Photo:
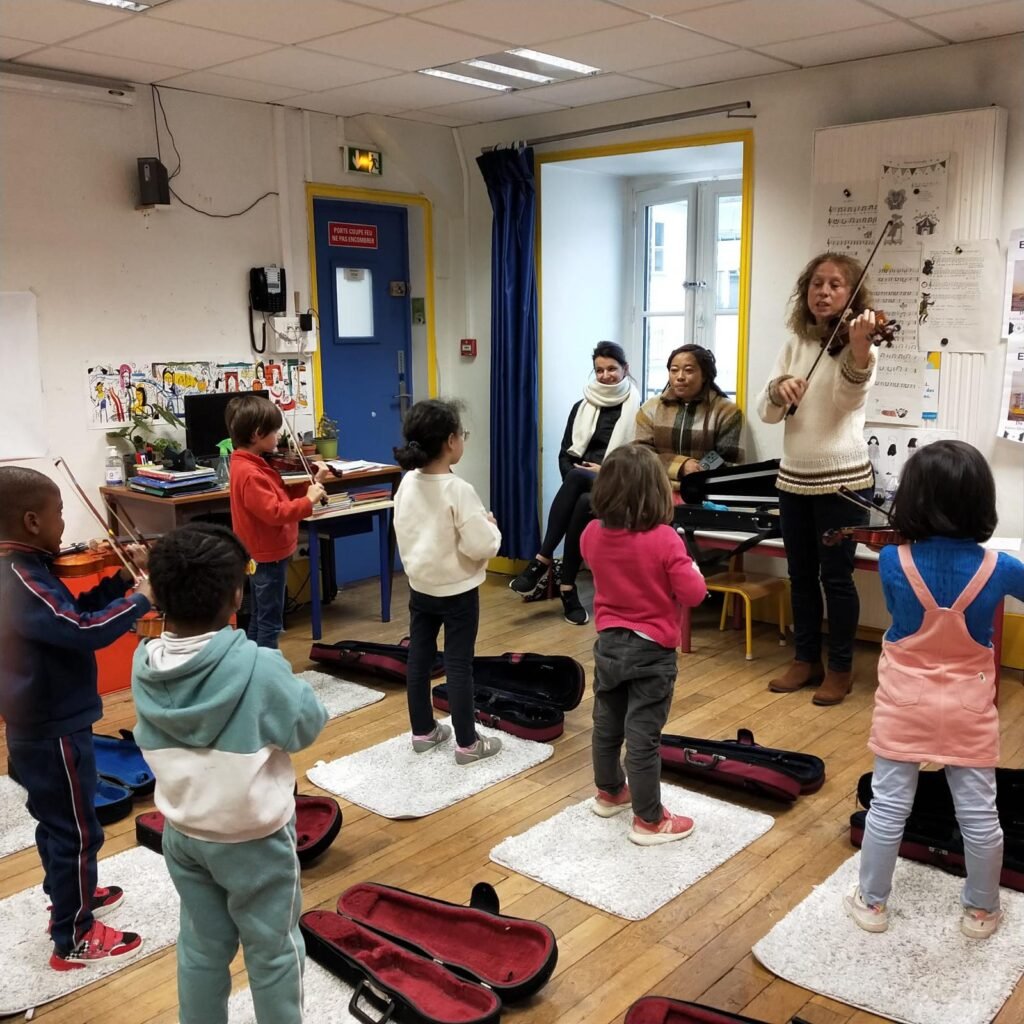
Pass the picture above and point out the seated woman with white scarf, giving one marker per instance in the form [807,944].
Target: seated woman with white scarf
[601,421]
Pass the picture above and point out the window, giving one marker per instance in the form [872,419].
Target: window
[688,283]
[354,295]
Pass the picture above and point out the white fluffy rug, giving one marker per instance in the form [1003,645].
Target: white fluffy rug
[393,781]
[340,696]
[17,829]
[326,1000]
[591,859]
[921,971]
[150,908]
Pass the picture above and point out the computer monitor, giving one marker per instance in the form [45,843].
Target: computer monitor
[205,427]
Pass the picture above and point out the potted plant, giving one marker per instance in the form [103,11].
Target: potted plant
[327,437]
[133,437]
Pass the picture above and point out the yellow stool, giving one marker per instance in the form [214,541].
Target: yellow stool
[750,586]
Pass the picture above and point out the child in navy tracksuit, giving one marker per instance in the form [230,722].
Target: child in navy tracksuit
[49,700]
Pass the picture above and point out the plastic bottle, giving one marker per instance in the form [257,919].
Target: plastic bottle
[225,448]
[114,468]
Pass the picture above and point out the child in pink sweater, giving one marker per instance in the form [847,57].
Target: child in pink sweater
[642,577]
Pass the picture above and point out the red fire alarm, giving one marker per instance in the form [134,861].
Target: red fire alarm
[467,347]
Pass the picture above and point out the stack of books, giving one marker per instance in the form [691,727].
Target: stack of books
[169,483]
[363,495]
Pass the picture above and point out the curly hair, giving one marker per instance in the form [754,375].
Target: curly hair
[427,427]
[801,320]
[196,571]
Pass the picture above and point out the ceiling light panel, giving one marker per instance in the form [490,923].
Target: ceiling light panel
[529,76]
[555,62]
[123,5]
[452,76]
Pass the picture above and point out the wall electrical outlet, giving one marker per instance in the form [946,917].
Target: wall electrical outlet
[289,337]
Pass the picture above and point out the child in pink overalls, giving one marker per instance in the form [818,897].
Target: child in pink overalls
[937,677]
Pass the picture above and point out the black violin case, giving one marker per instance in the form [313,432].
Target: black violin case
[525,695]
[424,961]
[932,836]
[659,1010]
[741,763]
[385,661]
[317,824]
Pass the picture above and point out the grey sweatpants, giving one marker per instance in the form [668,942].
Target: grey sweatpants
[633,683]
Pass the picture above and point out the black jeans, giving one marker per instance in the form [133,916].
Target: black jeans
[813,566]
[567,517]
[633,683]
[460,616]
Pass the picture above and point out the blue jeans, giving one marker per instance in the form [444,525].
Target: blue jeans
[266,601]
[893,785]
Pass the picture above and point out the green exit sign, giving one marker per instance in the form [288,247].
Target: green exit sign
[365,161]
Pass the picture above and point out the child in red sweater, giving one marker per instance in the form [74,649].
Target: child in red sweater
[642,576]
[263,514]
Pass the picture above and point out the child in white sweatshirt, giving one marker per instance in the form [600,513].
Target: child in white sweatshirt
[445,537]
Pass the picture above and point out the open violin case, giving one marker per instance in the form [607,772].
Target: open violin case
[384,661]
[932,836]
[317,824]
[659,1010]
[525,695]
[741,763]
[424,961]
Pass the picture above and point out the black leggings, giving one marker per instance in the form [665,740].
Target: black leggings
[567,517]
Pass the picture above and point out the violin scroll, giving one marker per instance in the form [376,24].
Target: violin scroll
[884,333]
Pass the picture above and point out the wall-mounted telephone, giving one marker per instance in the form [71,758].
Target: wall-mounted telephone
[267,289]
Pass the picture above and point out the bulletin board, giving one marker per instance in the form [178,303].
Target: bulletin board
[950,168]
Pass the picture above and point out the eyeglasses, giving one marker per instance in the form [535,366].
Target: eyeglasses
[464,434]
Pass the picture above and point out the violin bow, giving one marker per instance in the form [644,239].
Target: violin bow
[127,523]
[136,573]
[862,503]
[791,411]
[302,458]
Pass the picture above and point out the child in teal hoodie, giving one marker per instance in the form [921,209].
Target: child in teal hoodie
[217,719]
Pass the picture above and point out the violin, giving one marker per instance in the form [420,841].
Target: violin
[838,332]
[150,625]
[872,536]
[289,462]
[85,560]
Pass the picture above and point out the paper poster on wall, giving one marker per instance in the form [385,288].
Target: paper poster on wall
[959,299]
[118,390]
[24,432]
[890,447]
[930,399]
[176,380]
[846,218]
[898,392]
[1011,416]
[1013,293]
[912,198]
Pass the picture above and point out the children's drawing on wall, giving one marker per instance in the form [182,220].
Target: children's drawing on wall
[116,392]
[176,380]
[888,451]
[912,194]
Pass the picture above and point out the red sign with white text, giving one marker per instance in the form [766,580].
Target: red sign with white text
[352,236]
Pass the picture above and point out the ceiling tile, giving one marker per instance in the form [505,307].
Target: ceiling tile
[402,43]
[166,43]
[402,6]
[853,44]
[596,89]
[754,23]
[721,67]
[433,117]
[11,48]
[664,8]
[410,92]
[124,69]
[977,22]
[52,21]
[640,45]
[529,22]
[234,88]
[270,19]
[498,108]
[917,8]
[340,103]
[303,69]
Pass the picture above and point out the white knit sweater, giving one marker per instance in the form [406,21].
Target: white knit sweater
[824,445]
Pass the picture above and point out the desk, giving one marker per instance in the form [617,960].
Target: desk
[151,514]
[864,559]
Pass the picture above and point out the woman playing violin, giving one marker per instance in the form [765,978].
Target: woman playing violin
[823,450]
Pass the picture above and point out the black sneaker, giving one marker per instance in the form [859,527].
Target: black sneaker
[574,611]
[527,580]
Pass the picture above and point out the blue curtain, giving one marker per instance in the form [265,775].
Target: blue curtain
[515,478]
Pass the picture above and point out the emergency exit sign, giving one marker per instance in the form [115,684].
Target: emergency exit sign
[352,236]
[365,161]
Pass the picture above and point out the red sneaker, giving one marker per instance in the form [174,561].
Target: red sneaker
[668,830]
[99,943]
[607,805]
[104,900]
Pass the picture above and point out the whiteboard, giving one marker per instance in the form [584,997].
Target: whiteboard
[24,431]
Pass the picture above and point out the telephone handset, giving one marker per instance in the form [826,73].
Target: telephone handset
[267,289]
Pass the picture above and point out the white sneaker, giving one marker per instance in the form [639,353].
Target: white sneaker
[870,918]
[979,924]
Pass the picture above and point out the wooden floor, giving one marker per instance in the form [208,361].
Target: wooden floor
[697,947]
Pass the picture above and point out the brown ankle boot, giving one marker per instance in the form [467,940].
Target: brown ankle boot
[797,675]
[834,689]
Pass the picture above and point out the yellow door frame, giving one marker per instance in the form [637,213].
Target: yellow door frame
[744,136]
[317,190]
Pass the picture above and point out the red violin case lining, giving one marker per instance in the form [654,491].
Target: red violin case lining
[524,695]
[317,824]
[384,661]
[659,1010]
[743,764]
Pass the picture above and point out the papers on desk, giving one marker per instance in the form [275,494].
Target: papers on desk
[353,466]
